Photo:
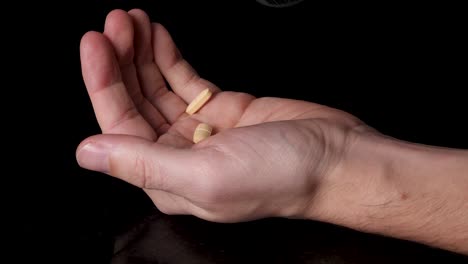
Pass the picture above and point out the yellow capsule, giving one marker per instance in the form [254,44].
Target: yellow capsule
[198,102]
[201,132]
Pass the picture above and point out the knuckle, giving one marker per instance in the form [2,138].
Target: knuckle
[144,171]
[150,174]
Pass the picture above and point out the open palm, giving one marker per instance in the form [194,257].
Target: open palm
[126,69]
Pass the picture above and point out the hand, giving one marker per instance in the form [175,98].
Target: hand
[267,157]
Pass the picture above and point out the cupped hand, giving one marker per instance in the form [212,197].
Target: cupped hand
[266,157]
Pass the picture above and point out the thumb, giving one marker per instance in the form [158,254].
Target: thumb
[138,161]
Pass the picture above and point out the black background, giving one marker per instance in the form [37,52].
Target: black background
[400,68]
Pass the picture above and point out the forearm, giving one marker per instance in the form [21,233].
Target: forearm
[400,189]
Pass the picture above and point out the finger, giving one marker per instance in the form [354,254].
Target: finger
[183,79]
[114,109]
[151,80]
[120,32]
[141,162]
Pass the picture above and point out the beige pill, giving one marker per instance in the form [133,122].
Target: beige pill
[201,132]
[198,102]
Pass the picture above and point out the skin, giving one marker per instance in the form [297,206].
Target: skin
[267,157]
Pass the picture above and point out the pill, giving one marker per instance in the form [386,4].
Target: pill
[198,102]
[201,132]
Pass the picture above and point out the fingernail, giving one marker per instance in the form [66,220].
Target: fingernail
[94,156]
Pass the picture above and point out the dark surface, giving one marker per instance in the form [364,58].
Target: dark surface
[398,68]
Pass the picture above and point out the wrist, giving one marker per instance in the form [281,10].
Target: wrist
[395,188]
[356,183]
